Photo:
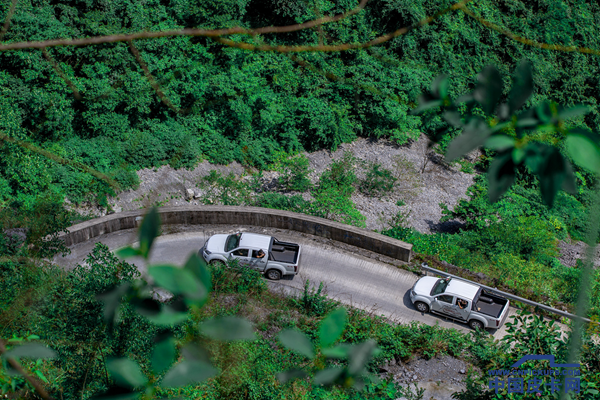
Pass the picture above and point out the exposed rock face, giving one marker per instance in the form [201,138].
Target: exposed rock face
[189,194]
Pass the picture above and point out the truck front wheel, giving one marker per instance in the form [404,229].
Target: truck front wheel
[419,305]
[475,324]
[273,275]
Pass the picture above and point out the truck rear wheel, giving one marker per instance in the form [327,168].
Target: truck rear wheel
[419,305]
[273,275]
[475,324]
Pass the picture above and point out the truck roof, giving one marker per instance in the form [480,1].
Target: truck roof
[255,240]
[462,289]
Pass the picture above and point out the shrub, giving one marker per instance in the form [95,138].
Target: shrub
[227,190]
[378,182]
[294,172]
[236,279]
[312,302]
[332,195]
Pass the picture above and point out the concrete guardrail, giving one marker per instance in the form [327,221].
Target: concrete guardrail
[255,216]
[508,295]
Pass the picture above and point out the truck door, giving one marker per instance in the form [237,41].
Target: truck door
[443,304]
[242,255]
[462,308]
[258,263]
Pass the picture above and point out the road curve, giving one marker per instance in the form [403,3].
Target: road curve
[349,277]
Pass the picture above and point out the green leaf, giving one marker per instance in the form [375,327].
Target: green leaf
[439,86]
[197,266]
[30,350]
[147,307]
[339,351]
[489,89]
[163,355]
[112,301]
[297,341]
[149,231]
[453,118]
[518,155]
[228,328]
[332,327]
[426,105]
[522,87]
[474,134]
[499,142]
[126,372]
[286,376]
[327,376]
[584,152]
[551,174]
[501,175]
[575,111]
[544,112]
[188,372]
[195,352]
[360,355]
[41,376]
[569,184]
[167,317]
[127,252]
[177,281]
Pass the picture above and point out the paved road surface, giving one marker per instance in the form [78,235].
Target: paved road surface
[350,278]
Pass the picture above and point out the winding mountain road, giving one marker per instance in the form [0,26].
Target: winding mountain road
[349,277]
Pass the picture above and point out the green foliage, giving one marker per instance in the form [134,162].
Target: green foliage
[21,348]
[332,194]
[331,328]
[377,182]
[280,201]
[236,279]
[313,302]
[532,335]
[228,190]
[294,172]
[523,146]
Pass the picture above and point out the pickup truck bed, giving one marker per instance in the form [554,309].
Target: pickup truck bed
[284,252]
[490,305]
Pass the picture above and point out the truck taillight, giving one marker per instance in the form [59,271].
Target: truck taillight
[295,268]
[497,322]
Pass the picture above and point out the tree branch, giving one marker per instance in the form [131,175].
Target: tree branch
[32,381]
[525,41]
[182,32]
[339,47]
[60,73]
[9,15]
[151,79]
[60,160]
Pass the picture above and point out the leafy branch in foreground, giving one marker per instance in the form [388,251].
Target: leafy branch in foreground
[190,287]
[512,136]
[358,355]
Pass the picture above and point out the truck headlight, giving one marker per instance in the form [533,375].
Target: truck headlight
[413,293]
[207,252]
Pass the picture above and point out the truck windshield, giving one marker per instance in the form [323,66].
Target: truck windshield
[233,241]
[439,287]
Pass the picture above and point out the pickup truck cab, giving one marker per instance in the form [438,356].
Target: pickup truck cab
[460,300]
[278,258]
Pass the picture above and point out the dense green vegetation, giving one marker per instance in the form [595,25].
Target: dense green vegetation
[238,105]
[225,104]
[68,318]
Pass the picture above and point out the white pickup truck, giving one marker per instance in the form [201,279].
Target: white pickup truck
[460,300]
[280,258]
